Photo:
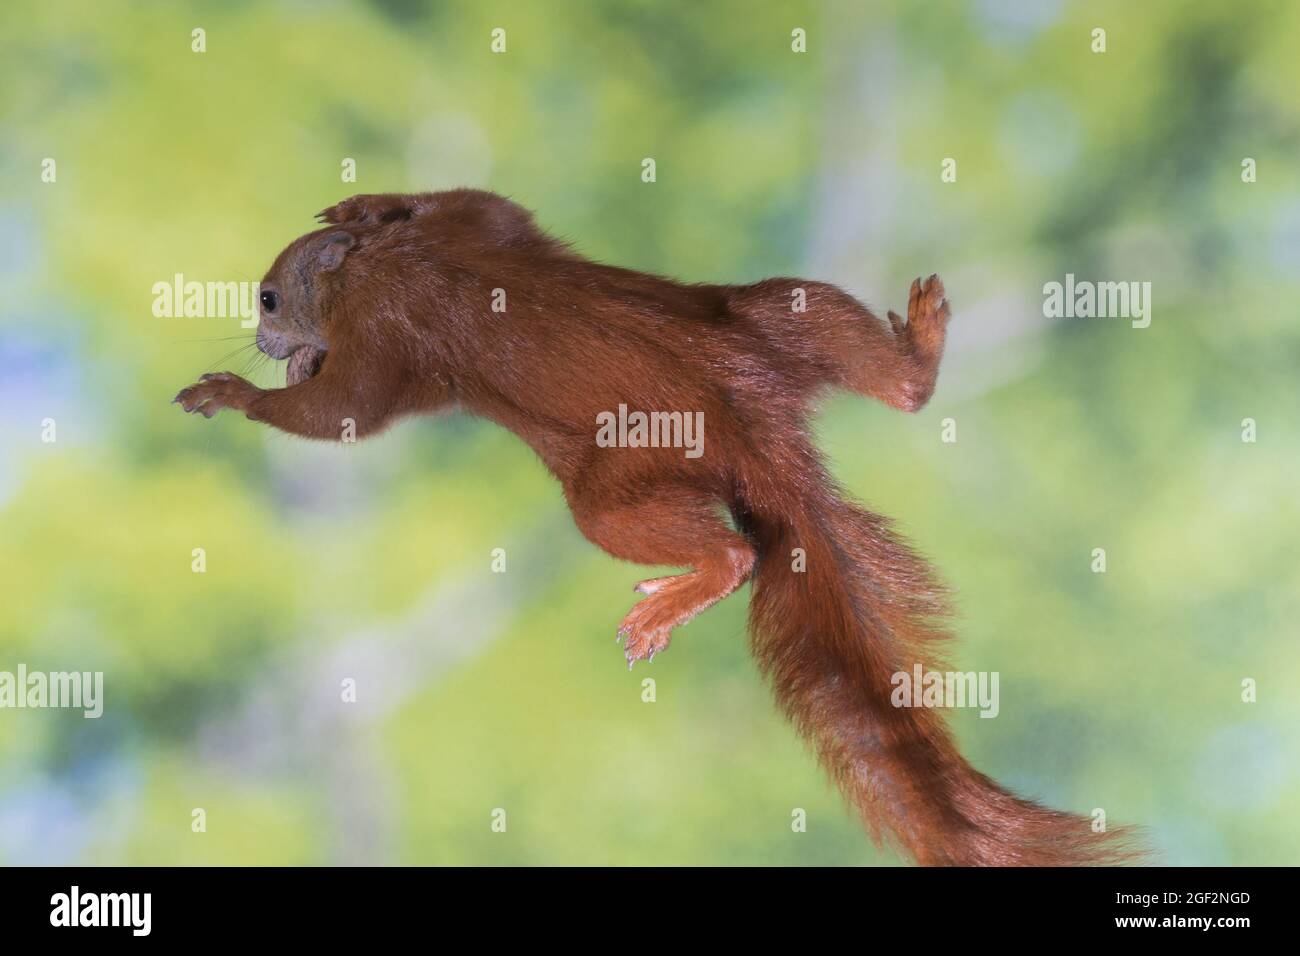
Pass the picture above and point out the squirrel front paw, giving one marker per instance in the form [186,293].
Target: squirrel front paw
[345,210]
[215,391]
[367,207]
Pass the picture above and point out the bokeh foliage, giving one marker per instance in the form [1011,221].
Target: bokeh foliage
[479,690]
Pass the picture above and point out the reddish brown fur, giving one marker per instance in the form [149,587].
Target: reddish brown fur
[395,294]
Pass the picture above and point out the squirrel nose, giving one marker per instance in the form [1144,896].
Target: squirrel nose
[271,344]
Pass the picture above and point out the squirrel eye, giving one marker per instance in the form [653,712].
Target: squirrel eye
[269,301]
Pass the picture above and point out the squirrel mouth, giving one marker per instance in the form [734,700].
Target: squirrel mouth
[304,362]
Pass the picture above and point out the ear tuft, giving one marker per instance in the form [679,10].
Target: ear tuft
[332,250]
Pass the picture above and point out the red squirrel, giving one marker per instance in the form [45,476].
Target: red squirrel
[406,304]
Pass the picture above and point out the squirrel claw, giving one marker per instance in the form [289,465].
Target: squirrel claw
[644,639]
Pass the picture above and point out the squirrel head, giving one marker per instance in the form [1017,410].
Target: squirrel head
[295,298]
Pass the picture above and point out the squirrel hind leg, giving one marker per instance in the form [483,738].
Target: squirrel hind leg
[678,527]
[829,331]
[904,375]
[900,366]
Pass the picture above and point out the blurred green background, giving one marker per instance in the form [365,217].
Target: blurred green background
[372,562]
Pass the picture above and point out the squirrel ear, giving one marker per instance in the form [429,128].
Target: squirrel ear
[332,249]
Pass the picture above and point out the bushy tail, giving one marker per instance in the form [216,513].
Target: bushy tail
[831,637]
